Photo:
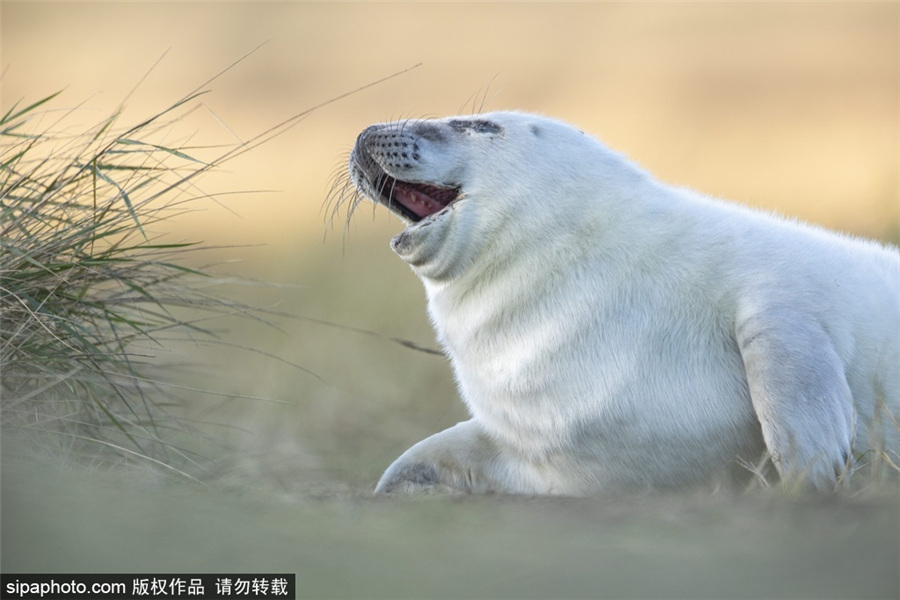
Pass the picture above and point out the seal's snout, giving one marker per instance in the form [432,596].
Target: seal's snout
[365,135]
[395,164]
[381,164]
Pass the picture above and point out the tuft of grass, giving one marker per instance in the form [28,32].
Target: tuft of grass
[88,293]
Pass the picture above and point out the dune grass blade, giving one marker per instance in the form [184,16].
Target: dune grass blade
[84,284]
[11,119]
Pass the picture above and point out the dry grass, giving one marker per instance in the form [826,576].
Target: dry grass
[92,293]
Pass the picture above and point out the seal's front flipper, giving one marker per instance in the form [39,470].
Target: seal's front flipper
[462,459]
[800,395]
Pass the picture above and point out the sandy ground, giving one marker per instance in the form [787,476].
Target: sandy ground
[352,546]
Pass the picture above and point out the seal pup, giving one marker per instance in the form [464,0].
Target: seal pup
[609,332]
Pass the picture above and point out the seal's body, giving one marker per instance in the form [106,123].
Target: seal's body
[609,332]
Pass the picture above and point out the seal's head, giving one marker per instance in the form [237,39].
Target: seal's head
[465,184]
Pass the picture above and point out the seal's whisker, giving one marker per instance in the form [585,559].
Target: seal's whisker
[345,195]
[353,202]
[342,194]
[338,183]
[390,194]
[350,210]
[487,90]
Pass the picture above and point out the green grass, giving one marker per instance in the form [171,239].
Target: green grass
[90,293]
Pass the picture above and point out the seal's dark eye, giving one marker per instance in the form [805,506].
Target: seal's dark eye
[475,126]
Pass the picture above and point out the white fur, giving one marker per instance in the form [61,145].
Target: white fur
[610,332]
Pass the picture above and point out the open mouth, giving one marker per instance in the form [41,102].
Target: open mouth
[414,201]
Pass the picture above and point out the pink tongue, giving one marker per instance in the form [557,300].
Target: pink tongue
[420,204]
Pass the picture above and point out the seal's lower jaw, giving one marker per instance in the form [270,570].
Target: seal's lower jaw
[423,243]
[414,202]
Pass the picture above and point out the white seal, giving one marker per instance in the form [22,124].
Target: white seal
[609,332]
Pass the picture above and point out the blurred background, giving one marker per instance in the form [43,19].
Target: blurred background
[789,107]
